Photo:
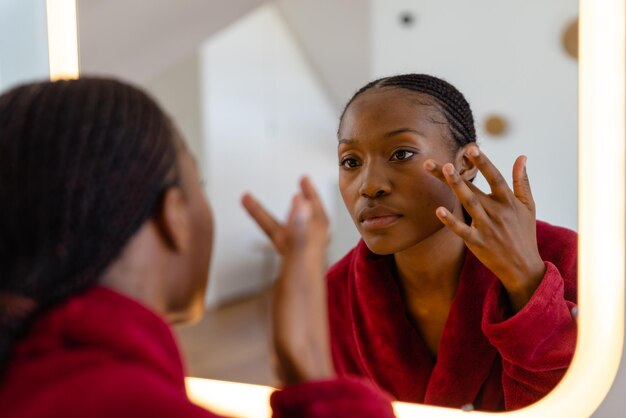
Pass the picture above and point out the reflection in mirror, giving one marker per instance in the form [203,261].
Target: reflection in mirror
[257,89]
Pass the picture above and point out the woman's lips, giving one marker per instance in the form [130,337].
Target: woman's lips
[377,217]
[379,222]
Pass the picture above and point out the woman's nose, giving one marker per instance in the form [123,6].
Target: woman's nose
[373,183]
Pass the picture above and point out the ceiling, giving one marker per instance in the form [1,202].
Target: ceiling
[139,39]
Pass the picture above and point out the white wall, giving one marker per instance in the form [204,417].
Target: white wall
[506,57]
[23,42]
[140,39]
[335,36]
[268,121]
[178,90]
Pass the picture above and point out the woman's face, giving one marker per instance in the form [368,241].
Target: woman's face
[385,137]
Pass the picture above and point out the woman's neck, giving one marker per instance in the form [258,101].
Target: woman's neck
[429,276]
[431,269]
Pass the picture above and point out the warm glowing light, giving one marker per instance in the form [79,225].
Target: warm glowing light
[229,398]
[62,39]
[602,184]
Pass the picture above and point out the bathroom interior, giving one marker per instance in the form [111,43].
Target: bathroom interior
[257,86]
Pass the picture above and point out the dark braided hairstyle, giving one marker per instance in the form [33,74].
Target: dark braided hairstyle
[83,164]
[450,102]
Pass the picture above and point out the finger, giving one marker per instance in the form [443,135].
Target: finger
[310,193]
[470,199]
[434,168]
[457,226]
[521,184]
[261,216]
[297,222]
[496,180]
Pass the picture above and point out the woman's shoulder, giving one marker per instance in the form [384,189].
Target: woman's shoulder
[559,246]
[557,239]
[547,229]
[133,390]
[99,386]
[340,269]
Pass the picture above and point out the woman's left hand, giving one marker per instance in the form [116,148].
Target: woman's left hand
[299,307]
[503,230]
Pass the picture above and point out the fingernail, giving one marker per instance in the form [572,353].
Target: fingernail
[449,169]
[303,213]
[474,152]
[429,165]
[442,212]
[246,197]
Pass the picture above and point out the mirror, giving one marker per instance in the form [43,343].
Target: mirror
[256,89]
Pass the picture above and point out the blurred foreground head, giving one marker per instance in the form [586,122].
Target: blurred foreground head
[84,164]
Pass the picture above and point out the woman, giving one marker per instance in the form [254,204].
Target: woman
[105,240]
[454,297]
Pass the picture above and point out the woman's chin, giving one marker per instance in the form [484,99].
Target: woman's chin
[398,240]
[382,245]
[187,317]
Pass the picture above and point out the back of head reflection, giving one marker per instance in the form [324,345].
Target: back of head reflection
[455,296]
[105,239]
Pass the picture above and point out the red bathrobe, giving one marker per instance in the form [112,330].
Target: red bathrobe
[487,358]
[103,355]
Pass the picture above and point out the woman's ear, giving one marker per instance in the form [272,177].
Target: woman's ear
[172,220]
[466,168]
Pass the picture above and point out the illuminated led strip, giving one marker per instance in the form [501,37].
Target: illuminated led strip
[62,39]
[229,398]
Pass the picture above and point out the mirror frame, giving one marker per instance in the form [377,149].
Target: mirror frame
[601,190]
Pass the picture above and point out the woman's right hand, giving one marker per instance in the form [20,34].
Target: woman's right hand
[299,306]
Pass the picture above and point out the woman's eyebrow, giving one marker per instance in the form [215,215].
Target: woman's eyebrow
[349,141]
[401,131]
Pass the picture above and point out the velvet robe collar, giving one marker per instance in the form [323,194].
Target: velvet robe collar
[390,348]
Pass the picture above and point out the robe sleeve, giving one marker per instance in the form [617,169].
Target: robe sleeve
[537,343]
[337,398]
[125,391]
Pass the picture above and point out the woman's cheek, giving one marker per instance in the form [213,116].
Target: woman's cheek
[348,188]
[428,193]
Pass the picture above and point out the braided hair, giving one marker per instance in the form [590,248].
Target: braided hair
[450,102]
[83,164]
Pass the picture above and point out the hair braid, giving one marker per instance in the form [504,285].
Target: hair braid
[450,101]
[83,164]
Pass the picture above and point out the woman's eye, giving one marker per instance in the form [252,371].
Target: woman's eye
[402,155]
[349,163]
